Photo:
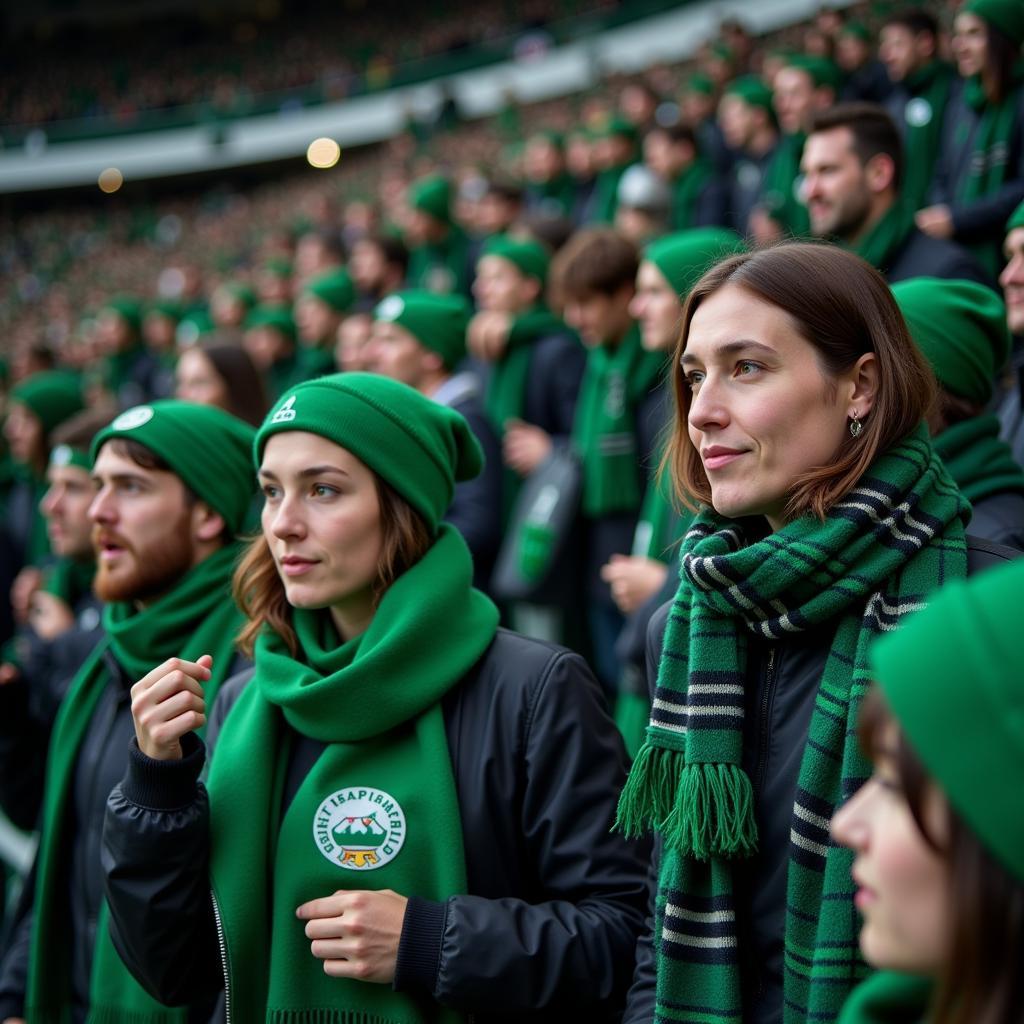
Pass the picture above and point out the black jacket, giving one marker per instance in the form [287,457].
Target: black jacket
[555,901]
[1000,519]
[781,686]
[920,255]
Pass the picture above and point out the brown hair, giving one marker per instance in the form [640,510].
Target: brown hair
[842,307]
[872,132]
[79,430]
[260,594]
[982,983]
[595,261]
[247,397]
[1002,55]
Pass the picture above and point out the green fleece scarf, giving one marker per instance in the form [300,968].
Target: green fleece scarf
[979,462]
[615,382]
[888,998]
[876,557]
[195,618]
[885,237]
[377,811]
[777,189]
[686,190]
[929,89]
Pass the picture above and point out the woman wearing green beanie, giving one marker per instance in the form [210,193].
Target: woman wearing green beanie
[979,175]
[380,826]
[960,326]
[270,339]
[938,831]
[823,517]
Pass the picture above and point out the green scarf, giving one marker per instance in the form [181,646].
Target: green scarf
[686,191]
[557,196]
[313,361]
[929,89]
[375,702]
[195,618]
[777,189]
[606,194]
[615,382]
[885,237]
[70,580]
[876,557]
[283,375]
[661,524]
[888,997]
[440,266]
[979,462]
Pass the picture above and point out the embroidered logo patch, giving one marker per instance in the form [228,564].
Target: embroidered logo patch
[918,112]
[285,413]
[390,308]
[359,829]
[61,455]
[133,418]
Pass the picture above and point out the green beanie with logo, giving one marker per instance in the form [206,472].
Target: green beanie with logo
[433,196]
[684,256]
[960,327]
[1006,16]
[437,322]
[822,72]
[753,91]
[952,677]
[419,447]
[128,308]
[1016,219]
[52,396]
[700,83]
[277,317]
[528,256]
[209,449]
[333,287]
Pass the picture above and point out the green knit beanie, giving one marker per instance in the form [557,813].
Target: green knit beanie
[1006,16]
[333,287]
[822,72]
[128,308]
[241,292]
[529,257]
[960,327]
[165,307]
[699,83]
[858,30]
[617,126]
[432,195]
[278,317]
[1016,219]
[952,676]
[685,255]
[419,447]
[209,449]
[52,396]
[437,322]
[753,91]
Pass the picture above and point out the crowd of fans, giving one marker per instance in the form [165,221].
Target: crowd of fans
[612,295]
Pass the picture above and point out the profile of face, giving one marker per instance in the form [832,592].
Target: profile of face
[227,309]
[322,522]
[1012,280]
[970,44]
[159,332]
[266,346]
[793,98]
[113,332]
[763,411]
[902,51]
[835,188]
[851,52]
[145,533]
[903,882]
[656,308]
[396,353]
[666,158]
[367,265]
[197,380]
[352,338]
[542,160]
[65,505]
[599,319]
[735,118]
[24,433]
[500,287]
[315,320]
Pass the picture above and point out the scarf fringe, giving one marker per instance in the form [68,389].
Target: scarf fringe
[700,810]
[118,1015]
[326,1016]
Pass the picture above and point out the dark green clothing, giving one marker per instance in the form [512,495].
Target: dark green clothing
[441,267]
[778,190]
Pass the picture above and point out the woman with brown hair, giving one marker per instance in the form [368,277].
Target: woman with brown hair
[406,814]
[824,516]
[221,373]
[938,830]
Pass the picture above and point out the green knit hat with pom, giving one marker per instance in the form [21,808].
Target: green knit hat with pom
[437,322]
[684,256]
[333,287]
[432,195]
[528,256]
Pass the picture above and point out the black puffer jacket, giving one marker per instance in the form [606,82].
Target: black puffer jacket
[781,687]
[555,901]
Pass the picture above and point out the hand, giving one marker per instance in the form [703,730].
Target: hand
[9,673]
[762,229]
[25,584]
[487,335]
[167,703]
[525,446]
[356,933]
[936,221]
[49,616]
[14,1020]
[633,580]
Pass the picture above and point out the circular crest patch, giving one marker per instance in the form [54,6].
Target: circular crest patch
[61,455]
[359,829]
[918,112]
[133,418]
[390,308]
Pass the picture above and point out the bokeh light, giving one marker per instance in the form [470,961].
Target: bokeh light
[110,180]
[323,153]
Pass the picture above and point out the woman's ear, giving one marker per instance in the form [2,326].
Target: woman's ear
[863,384]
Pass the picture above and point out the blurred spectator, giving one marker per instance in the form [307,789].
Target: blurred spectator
[222,374]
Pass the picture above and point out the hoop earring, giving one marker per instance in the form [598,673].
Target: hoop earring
[855,425]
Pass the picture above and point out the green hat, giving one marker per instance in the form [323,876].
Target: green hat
[53,396]
[128,308]
[278,317]
[165,307]
[960,326]
[617,126]
[1016,219]
[722,50]
[437,322]
[432,195]
[529,257]
[684,256]
[333,287]
[209,449]
[858,30]
[1006,16]
[66,455]
[280,266]
[421,448]
[194,326]
[701,83]
[243,293]
[551,136]
[753,91]
[822,72]
[952,676]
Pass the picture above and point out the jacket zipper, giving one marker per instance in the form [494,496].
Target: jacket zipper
[766,701]
[222,942]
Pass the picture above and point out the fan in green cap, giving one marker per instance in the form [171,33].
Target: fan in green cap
[270,340]
[615,149]
[549,190]
[438,247]
[1012,276]
[231,303]
[128,368]
[319,310]
[960,326]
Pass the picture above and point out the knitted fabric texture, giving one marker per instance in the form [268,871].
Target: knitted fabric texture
[437,322]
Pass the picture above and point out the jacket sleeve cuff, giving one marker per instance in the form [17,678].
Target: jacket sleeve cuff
[419,948]
[164,785]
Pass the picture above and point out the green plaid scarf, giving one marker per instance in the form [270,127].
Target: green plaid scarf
[876,557]
[929,89]
[886,236]
[978,460]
